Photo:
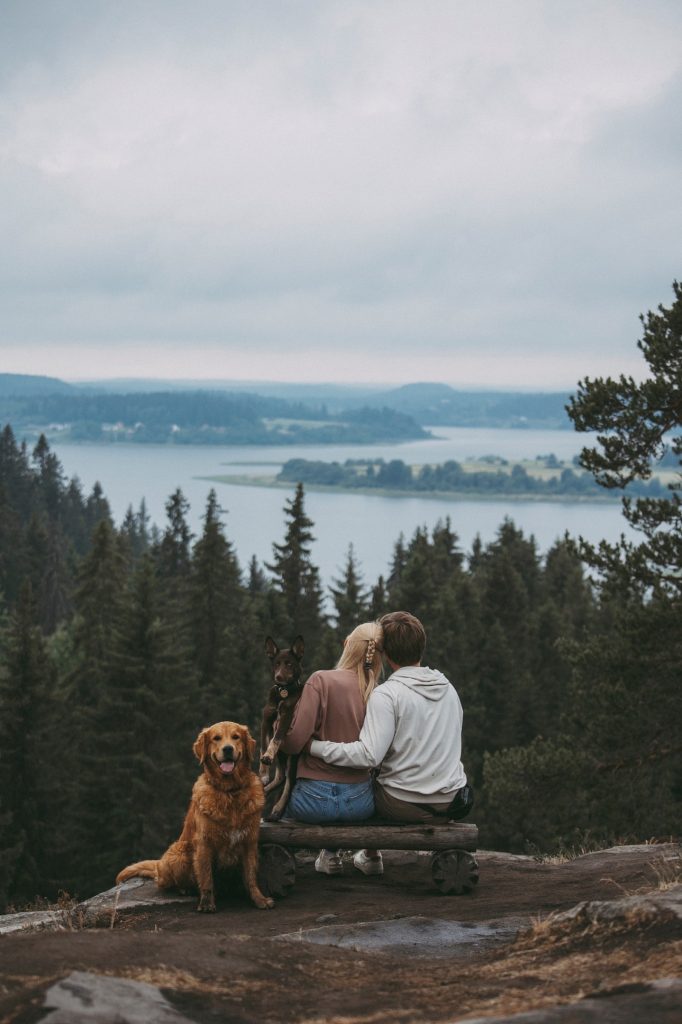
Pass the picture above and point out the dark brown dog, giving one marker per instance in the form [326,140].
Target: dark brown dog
[222,823]
[277,715]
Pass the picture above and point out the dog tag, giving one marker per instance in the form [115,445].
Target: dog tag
[283,693]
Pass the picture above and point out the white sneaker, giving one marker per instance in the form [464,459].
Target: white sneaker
[369,865]
[329,863]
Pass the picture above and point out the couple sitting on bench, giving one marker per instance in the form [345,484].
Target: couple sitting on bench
[406,732]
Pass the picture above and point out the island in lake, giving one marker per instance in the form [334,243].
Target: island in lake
[544,477]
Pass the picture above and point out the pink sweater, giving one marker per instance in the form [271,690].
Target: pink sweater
[330,708]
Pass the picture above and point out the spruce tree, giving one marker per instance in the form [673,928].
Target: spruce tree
[50,478]
[97,599]
[350,598]
[10,850]
[173,554]
[96,508]
[378,602]
[88,644]
[136,767]
[135,531]
[297,580]
[397,563]
[614,767]
[216,602]
[262,615]
[26,752]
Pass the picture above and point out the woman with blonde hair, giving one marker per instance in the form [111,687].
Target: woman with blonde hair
[332,707]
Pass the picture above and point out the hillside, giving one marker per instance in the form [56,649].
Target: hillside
[23,384]
[598,938]
[197,417]
[441,405]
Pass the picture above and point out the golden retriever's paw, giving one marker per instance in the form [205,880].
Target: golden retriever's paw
[264,902]
[206,904]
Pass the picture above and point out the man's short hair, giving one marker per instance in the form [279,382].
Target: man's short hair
[404,638]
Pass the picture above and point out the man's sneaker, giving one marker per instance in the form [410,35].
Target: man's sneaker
[329,863]
[373,865]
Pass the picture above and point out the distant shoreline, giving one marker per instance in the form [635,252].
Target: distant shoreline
[471,495]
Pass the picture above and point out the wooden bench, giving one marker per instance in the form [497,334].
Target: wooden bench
[454,868]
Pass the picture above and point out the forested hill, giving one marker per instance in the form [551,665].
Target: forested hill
[22,384]
[442,405]
[118,643]
[264,412]
[199,417]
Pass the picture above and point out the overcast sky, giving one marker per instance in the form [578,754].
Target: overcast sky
[387,190]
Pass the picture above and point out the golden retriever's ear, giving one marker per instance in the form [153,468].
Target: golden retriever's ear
[200,747]
[250,744]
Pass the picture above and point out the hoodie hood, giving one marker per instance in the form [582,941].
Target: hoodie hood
[428,682]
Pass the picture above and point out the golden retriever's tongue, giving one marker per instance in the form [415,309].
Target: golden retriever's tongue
[226,767]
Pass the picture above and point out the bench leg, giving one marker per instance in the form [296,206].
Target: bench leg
[276,869]
[454,871]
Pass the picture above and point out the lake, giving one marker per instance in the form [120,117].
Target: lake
[254,516]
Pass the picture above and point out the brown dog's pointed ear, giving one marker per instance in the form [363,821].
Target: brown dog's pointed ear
[298,647]
[200,747]
[271,648]
[250,745]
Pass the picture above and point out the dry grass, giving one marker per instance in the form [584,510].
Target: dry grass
[373,1018]
[668,872]
[183,981]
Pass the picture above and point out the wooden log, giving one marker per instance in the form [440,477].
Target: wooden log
[449,836]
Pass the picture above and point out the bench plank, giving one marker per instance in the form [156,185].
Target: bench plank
[453,835]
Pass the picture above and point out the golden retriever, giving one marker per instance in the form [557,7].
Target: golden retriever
[222,823]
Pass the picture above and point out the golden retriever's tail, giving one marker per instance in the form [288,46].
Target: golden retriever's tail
[143,869]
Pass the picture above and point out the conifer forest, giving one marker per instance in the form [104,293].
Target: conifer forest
[118,643]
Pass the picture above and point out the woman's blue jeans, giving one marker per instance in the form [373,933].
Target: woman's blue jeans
[317,802]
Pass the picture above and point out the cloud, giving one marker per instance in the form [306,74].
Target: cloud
[456,185]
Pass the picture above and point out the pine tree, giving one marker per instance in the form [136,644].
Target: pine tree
[216,601]
[638,422]
[257,582]
[613,768]
[350,598]
[174,551]
[262,615]
[97,600]
[297,580]
[50,478]
[136,777]
[397,563]
[378,604]
[96,509]
[561,614]
[625,705]
[15,474]
[135,531]
[87,644]
[26,751]
[10,849]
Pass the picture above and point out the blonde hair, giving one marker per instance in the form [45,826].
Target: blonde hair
[362,651]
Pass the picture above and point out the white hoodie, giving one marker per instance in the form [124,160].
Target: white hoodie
[413,729]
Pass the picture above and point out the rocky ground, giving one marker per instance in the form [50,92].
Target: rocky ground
[567,942]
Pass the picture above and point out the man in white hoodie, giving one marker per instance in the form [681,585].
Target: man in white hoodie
[412,733]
